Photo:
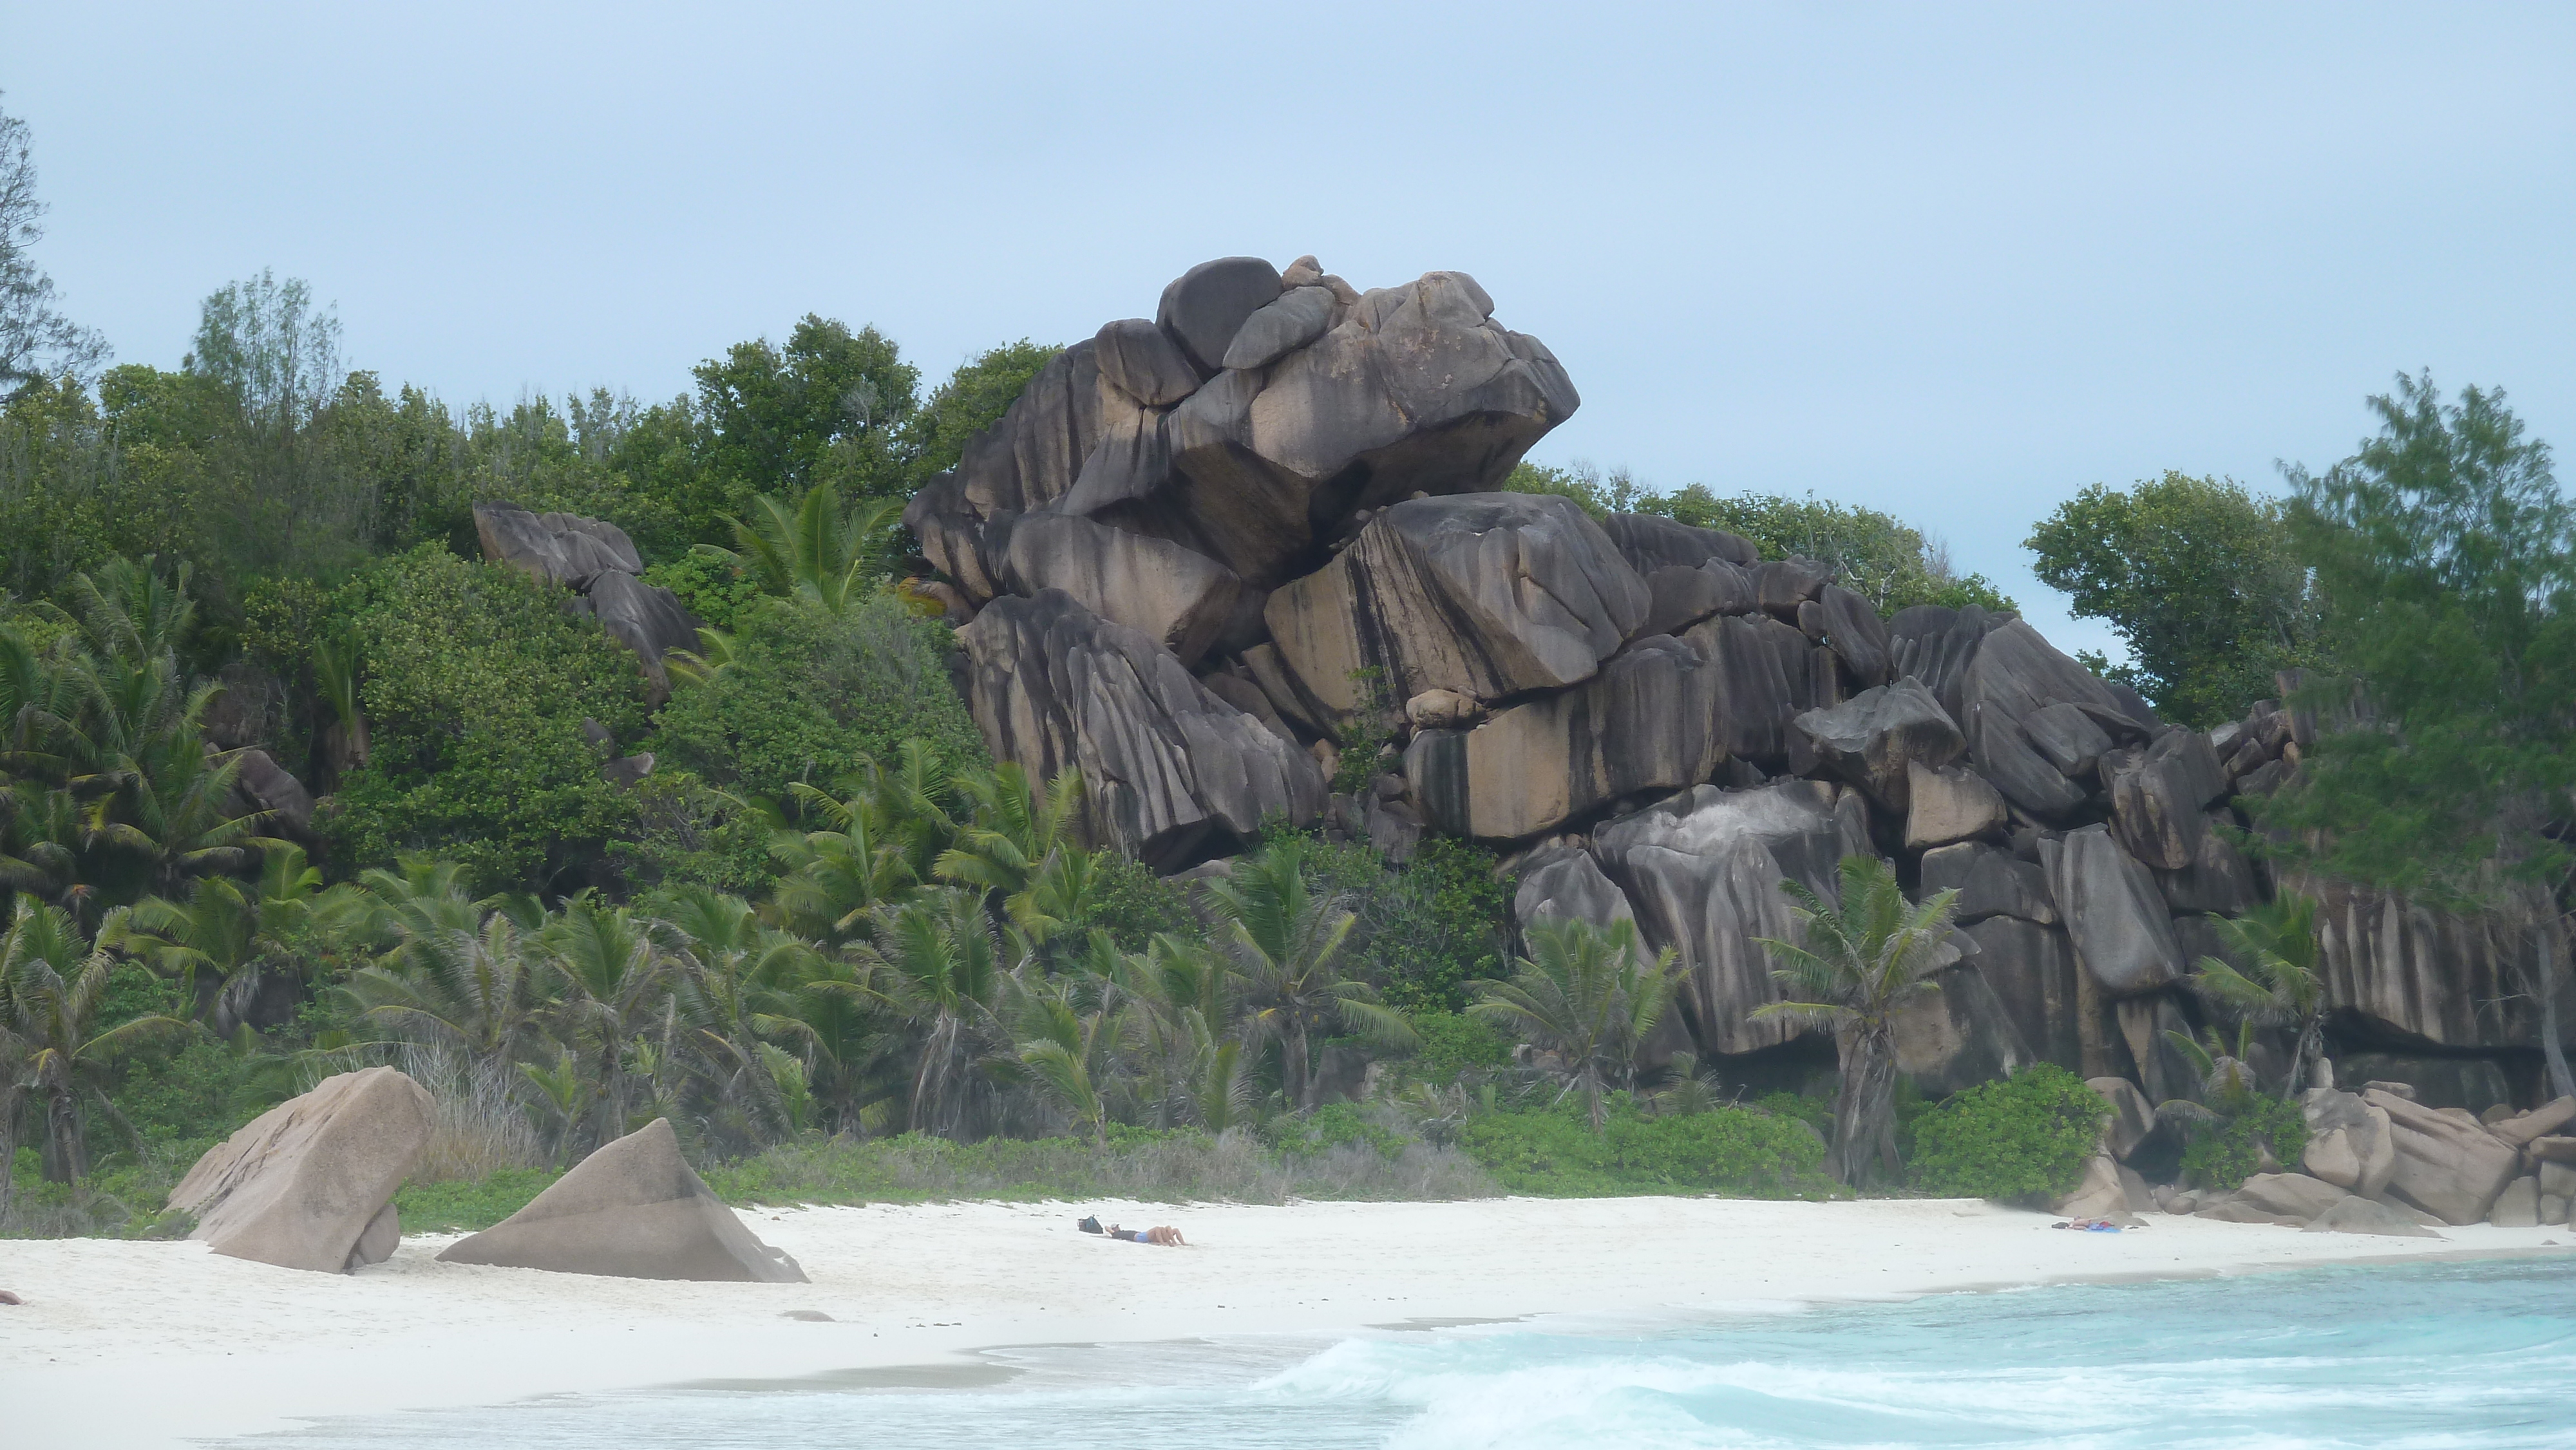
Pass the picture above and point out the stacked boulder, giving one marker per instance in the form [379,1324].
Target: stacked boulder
[310,1183]
[599,564]
[1204,555]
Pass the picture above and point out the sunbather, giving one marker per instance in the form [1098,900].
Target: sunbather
[1166,1236]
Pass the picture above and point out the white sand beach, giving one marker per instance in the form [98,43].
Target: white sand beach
[156,1344]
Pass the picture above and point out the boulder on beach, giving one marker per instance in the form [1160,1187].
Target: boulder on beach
[2358,1215]
[309,1184]
[632,1210]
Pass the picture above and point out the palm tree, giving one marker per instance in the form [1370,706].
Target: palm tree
[1588,995]
[1019,849]
[1286,946]
[2279,986]
[1065,1051]
[1192,1068]
[1859,966]
[471,987]
[933,958]
[50,1004]
[618,976]
[812,545]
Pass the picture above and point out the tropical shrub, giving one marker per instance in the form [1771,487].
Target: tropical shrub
[2027,1136]
[2225,1149]
[807,693]
[476,684]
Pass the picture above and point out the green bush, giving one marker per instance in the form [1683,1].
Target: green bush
[1132,904]
[2225,1153]
[1738,1151]
[809,692]
[1453,1043]
[2028,1136]
[1426,928]
[475,683]
[1329,1127]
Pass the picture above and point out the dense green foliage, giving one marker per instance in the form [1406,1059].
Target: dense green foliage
[2200,579]
[1890,564]
[2026,1137]
[1426,928]
[2445,554]
[1557,1154]
[2225,1149]
[475,685]
[806,694]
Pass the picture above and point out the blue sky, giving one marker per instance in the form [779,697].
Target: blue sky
[1953,262]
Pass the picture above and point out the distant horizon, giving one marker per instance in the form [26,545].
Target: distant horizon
[1952,269]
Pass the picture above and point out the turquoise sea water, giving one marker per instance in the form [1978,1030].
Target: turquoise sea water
[2470,1355]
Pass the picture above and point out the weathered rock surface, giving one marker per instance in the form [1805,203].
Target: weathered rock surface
[1141,360]
[1641,724]
[1703,871]
[1293,319]
[2067,737]
[302,1183]
[2219,879]
[1488,595]
[1846,625]
[2359,1215]
[2113,912]
[646,618]
[2518,1206]
[2132,1116]
[1205,307]
[1179,599]
[1876,738]
[2032,970]
[1650,542]
[1767,675]
[1564,881]
[2549,1118]
[1934,644]
[2450,1169]
[2099,1194]
[2453,981]
[1947,804]
[599,564]
[1990,881]
[634,1209]
[1959,1036]
[1171,773]
[2293,1199]
[2350,1142]
[1678,598]
[2157,795]
[261,784]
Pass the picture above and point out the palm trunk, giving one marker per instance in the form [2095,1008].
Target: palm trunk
[8,1152]
[66,1161]
[1865,1112]
[1293,1068]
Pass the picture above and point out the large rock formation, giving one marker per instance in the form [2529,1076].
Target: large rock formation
[1704,870]
[1171,772]
[634,1209]
[1218,551]
[309,1184]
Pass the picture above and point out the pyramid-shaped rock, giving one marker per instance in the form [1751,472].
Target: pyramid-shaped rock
[632,1210]
[302,1184]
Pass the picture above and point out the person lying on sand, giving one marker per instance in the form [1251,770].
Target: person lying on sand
[1167,1236]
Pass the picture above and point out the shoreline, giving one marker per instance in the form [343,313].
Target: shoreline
[156,1344]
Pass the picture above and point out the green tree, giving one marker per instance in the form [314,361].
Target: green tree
[2198,576]
[2445,555]
[1859,965]
[807,695]
[826,409]
[813,546]
[1286,949]
[475,684]
[972,400]
[1590,997]
[2275,945]
[51,982]
[36,342]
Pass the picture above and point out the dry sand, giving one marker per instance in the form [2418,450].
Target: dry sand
[147,1344]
